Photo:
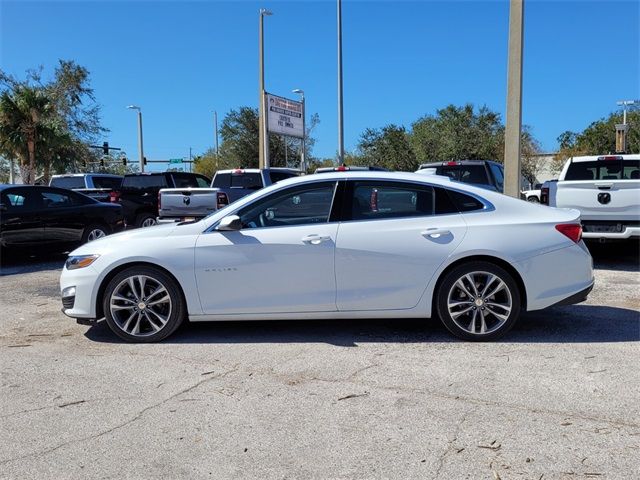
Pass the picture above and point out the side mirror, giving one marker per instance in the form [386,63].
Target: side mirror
[3,207]
[230,223]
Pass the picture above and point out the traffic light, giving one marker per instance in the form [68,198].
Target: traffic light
[102,162]
[105,148]
[124,161]
[144,160]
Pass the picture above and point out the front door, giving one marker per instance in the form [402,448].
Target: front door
[281,261]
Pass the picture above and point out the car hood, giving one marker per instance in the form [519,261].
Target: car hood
[120,240]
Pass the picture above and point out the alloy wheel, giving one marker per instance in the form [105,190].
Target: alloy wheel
[95,234]
[140,305]
[479,302]
[148,222]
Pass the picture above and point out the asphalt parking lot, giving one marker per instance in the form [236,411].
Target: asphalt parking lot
[557,398]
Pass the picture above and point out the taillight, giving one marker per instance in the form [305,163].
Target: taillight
[341,168]
[221,200]
[571,230]
[159,201]
[114,197]
[610,157]
[451,164]
[544,195]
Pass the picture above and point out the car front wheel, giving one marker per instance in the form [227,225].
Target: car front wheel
[143,304]
[478,301]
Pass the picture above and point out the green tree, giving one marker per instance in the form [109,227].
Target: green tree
[389,147]
[457,133]
[598,138]
[48,125]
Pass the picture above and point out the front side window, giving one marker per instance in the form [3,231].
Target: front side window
[298,205]
[384,200]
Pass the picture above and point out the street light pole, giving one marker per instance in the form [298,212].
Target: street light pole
[215,123]
[140,148]
[263,147]
[622,129]
[340,114]
[303,166]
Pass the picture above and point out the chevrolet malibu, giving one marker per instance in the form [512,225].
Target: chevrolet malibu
[337,246]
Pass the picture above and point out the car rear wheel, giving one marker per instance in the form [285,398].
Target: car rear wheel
[478,301]
[533,199]
[146,220]
[143,304]
[94,232]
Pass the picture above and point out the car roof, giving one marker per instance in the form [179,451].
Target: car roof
[453,163]
[615,156]
[85,174]
[257,170]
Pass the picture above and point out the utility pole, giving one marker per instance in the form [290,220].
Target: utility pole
[303,167]
[340,113]
[513,127]
[140,148]
[12,178]
[622,129]
[263,148]
[215,123]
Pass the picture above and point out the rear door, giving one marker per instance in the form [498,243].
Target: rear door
[393,238]
[602,189]
[64,216]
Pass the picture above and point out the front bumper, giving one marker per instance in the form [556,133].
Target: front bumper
[80,305]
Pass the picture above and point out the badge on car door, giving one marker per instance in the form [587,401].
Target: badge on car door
[604,198]
[186,200]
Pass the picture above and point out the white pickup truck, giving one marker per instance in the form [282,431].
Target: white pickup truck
[606,190]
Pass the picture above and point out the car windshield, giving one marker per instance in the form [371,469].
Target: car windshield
[68,182]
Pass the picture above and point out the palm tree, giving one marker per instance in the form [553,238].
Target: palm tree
[25,115]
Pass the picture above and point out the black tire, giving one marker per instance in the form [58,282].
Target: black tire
[146,220]
[533,199]
[468,314]
[90,232]
[147,330]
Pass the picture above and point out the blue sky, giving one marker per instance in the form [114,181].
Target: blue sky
[180,60]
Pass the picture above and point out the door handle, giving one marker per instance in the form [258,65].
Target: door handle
[435,232]
[315,239]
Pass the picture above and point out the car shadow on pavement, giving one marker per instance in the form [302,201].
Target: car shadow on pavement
[620,256]
[13,263]
[573,324]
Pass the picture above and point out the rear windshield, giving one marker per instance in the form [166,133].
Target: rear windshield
[144,181]
[250,180]
[604,170]
[107,182]
[68,182]
[475,174]
[185,180]
[277,176]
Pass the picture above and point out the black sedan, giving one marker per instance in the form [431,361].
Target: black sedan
[55,218]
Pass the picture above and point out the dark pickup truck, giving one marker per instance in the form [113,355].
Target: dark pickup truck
[95,185]
[138,194]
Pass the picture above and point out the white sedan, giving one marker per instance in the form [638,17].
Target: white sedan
[338,245]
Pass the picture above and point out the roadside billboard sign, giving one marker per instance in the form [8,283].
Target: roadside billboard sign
[284,116]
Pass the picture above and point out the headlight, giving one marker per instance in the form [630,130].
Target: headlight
[80,261]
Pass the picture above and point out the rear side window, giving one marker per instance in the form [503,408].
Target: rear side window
[464,202]
[68,182]
[222,180]
[144,181]
[604,170]
[107,182]
[383,200]
[498,175]
[277,176]
[475,174]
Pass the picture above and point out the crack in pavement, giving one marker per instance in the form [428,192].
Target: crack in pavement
[450,443]
[62,405]
[122,425]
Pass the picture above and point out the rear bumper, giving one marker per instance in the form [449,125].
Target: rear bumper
[628,232]
[581,296]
